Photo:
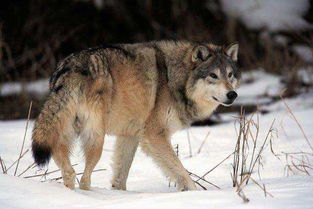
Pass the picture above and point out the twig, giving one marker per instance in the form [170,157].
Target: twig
[306,166]
[17,160]
[42,174]
[189,143]
[243,196]
[295,119]
[236,152]
[28,117]
[190,173]
[203,142]
[304,171]
[58,178]
[239,190]
[261,149]
[272,149]
[254,142]
[243,158]
[45,173]
[298,153]
[4,170]
[26,169]
[288,168]
[215,167]
[203,187]
[241,172]
[239,186]
[263,188]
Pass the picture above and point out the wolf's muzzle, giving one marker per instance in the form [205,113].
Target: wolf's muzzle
[231,96]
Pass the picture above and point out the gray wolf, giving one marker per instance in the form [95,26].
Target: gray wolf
[141,93]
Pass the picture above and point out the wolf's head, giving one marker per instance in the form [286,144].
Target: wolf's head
[215,76]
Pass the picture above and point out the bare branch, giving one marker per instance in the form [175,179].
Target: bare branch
[295,119]
[20,156]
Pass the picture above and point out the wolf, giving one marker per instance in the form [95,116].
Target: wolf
[142,93]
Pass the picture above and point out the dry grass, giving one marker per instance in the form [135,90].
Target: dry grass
[20,157]
[212,169]
[247,156]
[77,174]
[298,123]
[203,179]
[47,172]
[203,142]
[189,143]
[298,162]
[26,128]
[22,152]
[3,167]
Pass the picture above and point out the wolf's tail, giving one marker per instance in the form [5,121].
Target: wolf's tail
[55,118]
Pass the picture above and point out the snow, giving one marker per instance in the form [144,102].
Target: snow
[33,194]
[304,52]
[261,85]
[148,188]
[281,40]
[39,87]
[306,75]
[272,15]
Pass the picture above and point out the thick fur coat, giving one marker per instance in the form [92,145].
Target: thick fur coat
[141,93]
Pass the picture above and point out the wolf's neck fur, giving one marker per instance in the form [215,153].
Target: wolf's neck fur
[178,70]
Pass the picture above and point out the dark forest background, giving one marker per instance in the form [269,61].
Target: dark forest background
[36,34]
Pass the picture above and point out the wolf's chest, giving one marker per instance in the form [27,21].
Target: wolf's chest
[173,122]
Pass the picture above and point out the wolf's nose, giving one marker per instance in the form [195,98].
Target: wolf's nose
[232,95]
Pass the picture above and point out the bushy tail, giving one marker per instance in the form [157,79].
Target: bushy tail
[42,136]
[41,153]
[55,117]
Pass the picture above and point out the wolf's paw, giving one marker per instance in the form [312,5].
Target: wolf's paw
[184,188]
[70,185]
[84,183]
[118,183]
[69,180]
[119,186]
[84,186]
[185,185]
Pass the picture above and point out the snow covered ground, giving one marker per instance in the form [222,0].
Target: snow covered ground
[271,15]
[39,87]
[148,188]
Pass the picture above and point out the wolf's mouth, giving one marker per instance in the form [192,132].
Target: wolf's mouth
[223,103]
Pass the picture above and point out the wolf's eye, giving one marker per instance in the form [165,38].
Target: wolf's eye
[213,75]
[230,75]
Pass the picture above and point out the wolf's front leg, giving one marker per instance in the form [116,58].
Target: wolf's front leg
[160,149]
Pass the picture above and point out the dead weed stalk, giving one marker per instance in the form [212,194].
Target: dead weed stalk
[247,156]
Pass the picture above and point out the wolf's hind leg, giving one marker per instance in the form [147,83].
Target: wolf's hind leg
[62,150]
[61,158]
[92,144]
[125,149]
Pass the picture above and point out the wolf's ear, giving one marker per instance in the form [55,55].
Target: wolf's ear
[200,53]
[232,51]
